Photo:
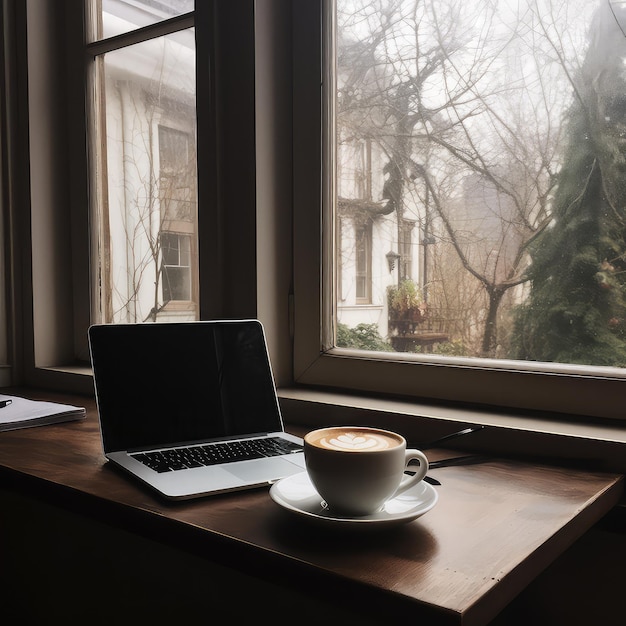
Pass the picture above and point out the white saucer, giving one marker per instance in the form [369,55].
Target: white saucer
[297,494]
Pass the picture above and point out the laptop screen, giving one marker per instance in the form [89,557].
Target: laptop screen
[168,383]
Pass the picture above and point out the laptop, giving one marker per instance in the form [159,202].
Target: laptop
[190,409]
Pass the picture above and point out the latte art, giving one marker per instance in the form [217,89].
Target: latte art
[350,439]
[355,441]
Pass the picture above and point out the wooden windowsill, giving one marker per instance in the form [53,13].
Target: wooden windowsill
[600,444]
[549,436]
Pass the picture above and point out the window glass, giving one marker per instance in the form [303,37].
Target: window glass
[363,262]
[176,270]
[147,210]
[177,180]
[115,17]
[481,146]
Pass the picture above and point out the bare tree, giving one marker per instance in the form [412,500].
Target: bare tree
[159,200]
[432,84]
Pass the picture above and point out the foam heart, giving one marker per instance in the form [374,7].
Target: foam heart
[352,441]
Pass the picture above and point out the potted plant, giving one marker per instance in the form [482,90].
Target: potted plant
[405,303]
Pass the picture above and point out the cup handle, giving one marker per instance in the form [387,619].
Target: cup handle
[420,471]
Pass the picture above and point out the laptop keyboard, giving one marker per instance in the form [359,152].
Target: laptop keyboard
[211,454]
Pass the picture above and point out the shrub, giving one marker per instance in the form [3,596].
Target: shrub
[361,337]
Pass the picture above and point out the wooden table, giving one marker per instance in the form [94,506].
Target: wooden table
[495,527]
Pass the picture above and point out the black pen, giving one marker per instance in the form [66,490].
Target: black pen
[4,403]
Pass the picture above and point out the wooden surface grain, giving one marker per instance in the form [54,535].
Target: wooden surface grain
[496,525]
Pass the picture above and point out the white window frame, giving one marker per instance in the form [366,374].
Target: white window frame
[566,389]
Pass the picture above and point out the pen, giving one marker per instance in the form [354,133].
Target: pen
[4,403]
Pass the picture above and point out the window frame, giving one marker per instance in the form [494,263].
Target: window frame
[263,136]
[49,95]
[564,389]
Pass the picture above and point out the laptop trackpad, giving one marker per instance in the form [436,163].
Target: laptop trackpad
[265,469]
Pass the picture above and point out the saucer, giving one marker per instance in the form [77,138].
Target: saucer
[297,494]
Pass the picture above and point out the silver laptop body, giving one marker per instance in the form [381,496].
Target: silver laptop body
[185,391]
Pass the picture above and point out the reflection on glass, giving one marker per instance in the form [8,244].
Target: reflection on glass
[148,217]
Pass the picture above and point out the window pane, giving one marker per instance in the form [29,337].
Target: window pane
[484,144]
[114,17]
[149,181]
[363,262]
[170,249]
[176,271]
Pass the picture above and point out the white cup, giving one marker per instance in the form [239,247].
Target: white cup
[356,469]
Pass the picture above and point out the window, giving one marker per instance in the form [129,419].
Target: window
[145,120]
[271,159]
[178,230]
[176,255]
[151,96]
[177,175]
[488,128]
[405,246]
[363,241]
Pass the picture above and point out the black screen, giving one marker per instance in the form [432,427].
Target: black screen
[164,383]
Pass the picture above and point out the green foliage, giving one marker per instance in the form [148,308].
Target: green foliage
[362,337]
[456,347]
[405,299]
[576,309]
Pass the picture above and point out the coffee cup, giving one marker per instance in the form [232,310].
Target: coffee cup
[356,469]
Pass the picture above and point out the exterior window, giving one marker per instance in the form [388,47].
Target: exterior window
[176,280]
[356,214]
[363,241]
[405,245]
[177,175]
[144,142]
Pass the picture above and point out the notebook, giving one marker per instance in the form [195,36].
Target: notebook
[190,409]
